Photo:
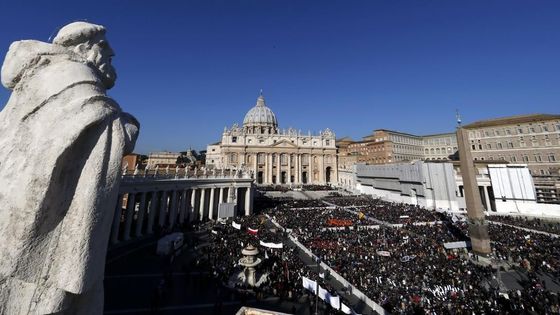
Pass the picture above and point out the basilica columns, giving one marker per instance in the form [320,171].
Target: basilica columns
[299,169]
[184,207]
[162,209]
[211,204]
[141,212]
[117,220]
[193,205]
[202,204]
[130,208]
[152,212]
[248,201]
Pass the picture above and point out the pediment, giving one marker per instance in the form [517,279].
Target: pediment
[284,144]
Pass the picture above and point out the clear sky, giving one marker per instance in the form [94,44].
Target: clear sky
[186,69]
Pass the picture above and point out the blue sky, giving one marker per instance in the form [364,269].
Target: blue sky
[186,69]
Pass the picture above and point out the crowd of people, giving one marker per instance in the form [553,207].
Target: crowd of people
[405,269]
[283,267]
[391,212]
[408,269]
[533,251]
[533,224]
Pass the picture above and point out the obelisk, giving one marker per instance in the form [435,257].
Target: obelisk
[478,228]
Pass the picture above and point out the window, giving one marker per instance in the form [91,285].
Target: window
[513,159]
[544,127]
[284,159]
[234,139]
[551,158]
[520,130]
[525,158]
[499,145]
[510,145]
[327,142]
[488,146]
[508,132]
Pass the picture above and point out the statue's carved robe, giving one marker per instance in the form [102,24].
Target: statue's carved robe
[61,144]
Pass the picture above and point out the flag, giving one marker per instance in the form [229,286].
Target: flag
[236,225]
[361,215]
[322,275]
[252,231]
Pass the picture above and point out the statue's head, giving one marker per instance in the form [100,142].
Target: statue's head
[88,41]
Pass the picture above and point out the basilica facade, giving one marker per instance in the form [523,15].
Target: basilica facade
[274,156]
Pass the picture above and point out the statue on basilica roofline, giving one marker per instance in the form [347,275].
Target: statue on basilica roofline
[62,140]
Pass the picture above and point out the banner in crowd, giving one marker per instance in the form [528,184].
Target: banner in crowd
[272,245]
[345,309]
[236,225]
[407,258]
[404,217]
[361,215]
[443,290]
[334,301]
[453,245]
[309,284]
[252,231]
[339,222]
[383,253]
[323,293]
[214,232]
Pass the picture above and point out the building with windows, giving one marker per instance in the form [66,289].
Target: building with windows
[388,146]
[439,146]
[533,140]
[275,156]
[162,159]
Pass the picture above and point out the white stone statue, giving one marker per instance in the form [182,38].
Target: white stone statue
[62,140]
[146,170]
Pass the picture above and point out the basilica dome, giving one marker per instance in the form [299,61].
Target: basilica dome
[260,119]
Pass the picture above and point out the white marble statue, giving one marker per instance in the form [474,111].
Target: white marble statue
[62,140]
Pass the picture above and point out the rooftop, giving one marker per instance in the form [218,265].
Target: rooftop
[510,120]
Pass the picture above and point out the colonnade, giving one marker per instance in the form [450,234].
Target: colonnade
[146,207]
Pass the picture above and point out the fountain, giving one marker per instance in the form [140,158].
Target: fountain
[250,261]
